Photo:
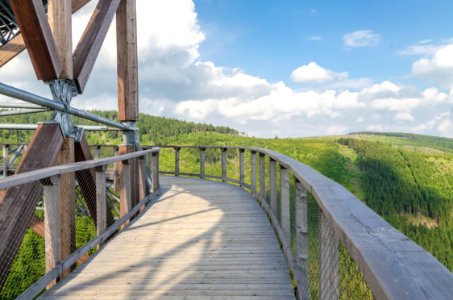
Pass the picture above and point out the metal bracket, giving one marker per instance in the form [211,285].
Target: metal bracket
[63,90]
[78,134]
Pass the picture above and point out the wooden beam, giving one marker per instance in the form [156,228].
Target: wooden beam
[126,38]
[32,21]
[17,206]
[60,21]
[17,44]
[66,200]
[91,41]
[133,168]
[87,180]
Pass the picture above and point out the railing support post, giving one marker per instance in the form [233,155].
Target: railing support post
[284,196]
[155,172]
[125,192]
[328,260]
[224,164]
[263,176]
[5,160]
[143,183]
[101,204]
[241,166]
[253,171]
[51,223]
[273,183]
[301,263]
[177,160]
[97,152]
[116,173]
[202,160]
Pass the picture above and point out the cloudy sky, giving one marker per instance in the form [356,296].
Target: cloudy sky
[286,68]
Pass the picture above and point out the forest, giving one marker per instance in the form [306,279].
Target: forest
[406,178]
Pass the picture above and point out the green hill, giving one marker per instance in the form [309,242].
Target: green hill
[406,178]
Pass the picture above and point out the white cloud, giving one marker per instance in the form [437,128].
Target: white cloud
[361,38]
[315,38]
[437,69]
[425,47]
[404,116]
[337,129]
[312,72]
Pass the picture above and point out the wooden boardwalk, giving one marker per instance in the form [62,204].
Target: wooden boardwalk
[200,240]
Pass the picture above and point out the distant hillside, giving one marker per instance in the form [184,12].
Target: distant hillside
[436,142]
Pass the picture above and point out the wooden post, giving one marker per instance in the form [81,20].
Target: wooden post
[101,199]
[143,188]
[51,223]
[301,264]
[59,13]
[116,173]
[328,261]
[284,201]
[97,152]
[66,200]
[177,160]
[224,164]
[5,160]
[263,176]
[273,183]
[155,172]
[202,160]
[241,166]
[125,192]
[126,37]
[253,171]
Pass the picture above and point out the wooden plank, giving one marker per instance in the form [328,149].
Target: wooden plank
[202,161]
[5,160]
[17,206]
[177,160]
[301,263]
[273,184]
[66,200]
[253,171]
[87,180]
[127,68]
[134,176]
[241,166]
[155,172]
[60,21]
[211,261]
[90,43]
[224,164]
[126,189]
[52,231]
[284,200]
[32,21]
[262,175]
[101,200]
[17,44]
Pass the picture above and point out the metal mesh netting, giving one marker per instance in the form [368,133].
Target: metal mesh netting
[324,268]
[72,217]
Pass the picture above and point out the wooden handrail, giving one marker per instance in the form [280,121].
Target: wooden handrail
[394,266]
[28,177]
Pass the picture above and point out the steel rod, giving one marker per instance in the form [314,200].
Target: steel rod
[16,93]
[34,126]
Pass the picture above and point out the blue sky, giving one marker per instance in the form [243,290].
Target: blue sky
[269,38]
[287,68]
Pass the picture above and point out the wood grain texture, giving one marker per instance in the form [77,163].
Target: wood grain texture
[17,206]
[34,27]
[127,68]
[60,21]
[90,43]
[195,242]
[17,44]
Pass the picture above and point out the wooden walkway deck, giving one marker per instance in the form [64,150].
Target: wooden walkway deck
[200,240]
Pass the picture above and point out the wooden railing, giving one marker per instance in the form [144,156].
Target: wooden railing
[49,178]
[347,234]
